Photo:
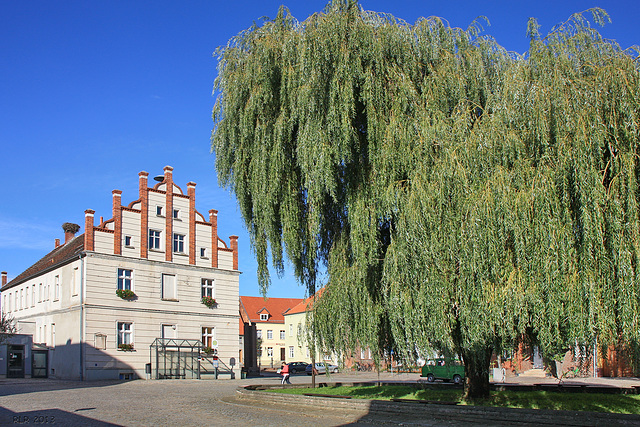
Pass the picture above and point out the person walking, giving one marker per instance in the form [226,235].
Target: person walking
[285,373]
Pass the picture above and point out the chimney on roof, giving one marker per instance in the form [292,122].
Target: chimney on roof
[56,243]
[4,278]
[70,230]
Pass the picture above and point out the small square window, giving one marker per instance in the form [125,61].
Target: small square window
[176,214]
[128,241]
[159,210]
[203,252]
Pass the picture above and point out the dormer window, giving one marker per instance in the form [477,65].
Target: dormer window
[264,316]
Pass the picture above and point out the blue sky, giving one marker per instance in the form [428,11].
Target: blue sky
[94,92]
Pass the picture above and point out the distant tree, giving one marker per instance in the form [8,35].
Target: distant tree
[460,195]
[7,327]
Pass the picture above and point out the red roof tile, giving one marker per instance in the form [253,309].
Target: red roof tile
[305,304]
[276,307]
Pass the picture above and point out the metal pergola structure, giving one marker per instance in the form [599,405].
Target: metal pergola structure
[175,358]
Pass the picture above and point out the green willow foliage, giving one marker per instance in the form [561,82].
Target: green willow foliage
[460,195]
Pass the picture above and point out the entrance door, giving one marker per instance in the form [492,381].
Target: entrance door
[282,353]
[39,365]
[15,361]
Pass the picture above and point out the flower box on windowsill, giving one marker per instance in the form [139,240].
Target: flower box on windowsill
[126,294]
[208,350]
[125,347]
[209,302]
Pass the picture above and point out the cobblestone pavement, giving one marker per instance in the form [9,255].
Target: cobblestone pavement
[180,402]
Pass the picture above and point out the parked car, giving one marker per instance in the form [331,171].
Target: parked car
[322,368]
[295,367]
[443,369]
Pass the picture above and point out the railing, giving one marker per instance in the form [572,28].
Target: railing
[216,367]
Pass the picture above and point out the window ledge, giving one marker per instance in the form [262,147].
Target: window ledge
[156,250]
[181,254]
[170,299]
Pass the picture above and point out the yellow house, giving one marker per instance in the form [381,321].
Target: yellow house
[296,338]
[268,317]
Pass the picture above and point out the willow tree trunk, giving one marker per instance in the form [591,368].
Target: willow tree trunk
[476,373]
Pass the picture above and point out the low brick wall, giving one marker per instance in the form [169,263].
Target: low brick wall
[477,414]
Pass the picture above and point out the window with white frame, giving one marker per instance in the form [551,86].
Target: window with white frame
[281,335]
[269,334]
[10,301]
[208,336]
[290,329]
[169,288]
[178,243]
[16,302]
[26,298]
[21,297]
[269,351]
[40,292]
[208,288]
[291,351]
[264,316]
[33,295]
[259,334]
[125,333]
[154,239]
[125,277]
[56,288]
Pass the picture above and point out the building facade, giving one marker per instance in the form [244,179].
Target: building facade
[266,317]
[298,336]
[100,300]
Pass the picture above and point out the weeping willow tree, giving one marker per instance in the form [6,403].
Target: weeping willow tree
[460,196]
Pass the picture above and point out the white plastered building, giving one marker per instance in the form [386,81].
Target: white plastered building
[164,255]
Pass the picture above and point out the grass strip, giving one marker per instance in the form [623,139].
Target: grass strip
[596,402]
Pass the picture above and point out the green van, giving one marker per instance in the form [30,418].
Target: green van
[443,369]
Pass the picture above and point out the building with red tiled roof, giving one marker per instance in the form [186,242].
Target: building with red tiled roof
[265,320]
[100,300]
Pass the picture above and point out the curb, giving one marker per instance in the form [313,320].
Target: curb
[478,414]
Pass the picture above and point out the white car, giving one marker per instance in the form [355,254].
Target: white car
[321,368]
